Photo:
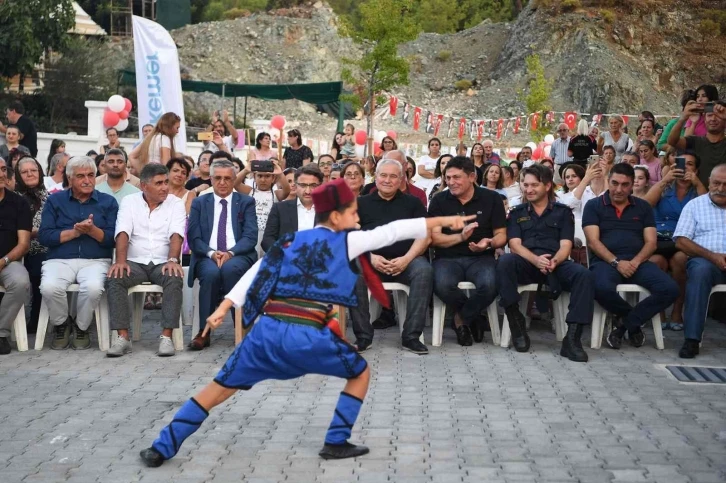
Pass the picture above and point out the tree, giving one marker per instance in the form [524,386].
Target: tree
[384,25]
[440,16]
[537,96]
[28,29]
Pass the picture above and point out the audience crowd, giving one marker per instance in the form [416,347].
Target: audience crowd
[605,209]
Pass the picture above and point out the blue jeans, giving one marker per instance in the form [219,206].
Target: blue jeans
[479,270]
[702,276]
[663,292]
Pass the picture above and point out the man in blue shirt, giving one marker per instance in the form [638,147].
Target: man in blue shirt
[77,226]
[621,236]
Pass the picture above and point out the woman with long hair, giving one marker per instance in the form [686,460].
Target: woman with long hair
[296,155]
[646,149]
[646,131]
[353,175]
[335,151]
[56,146]
[493,179]
[439,170]
[426,166]
[29,185]
[668,159]
[263,150]
[581,146]
[696,125]
[615,137]
[477,155]
[641,182]
[289,174]
[572,175]
[369,166]
[388,144]
[158,147]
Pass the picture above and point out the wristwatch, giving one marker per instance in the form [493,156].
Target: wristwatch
[7,261]
[615,262]
[173,260]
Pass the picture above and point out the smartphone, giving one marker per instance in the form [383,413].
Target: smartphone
[708,107]
[681,163]
[262,166]
[593,159]
[205,136]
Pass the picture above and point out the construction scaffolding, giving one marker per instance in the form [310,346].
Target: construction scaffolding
[123,10]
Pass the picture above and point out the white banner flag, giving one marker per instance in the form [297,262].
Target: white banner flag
[158,82]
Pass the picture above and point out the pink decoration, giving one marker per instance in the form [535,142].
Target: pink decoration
[278,122]
[110,118]
[376,147]
[392,134]
[123,114]
[360,138]
[129,106]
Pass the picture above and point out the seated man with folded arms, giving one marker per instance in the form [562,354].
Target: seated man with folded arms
[621,237]
[701,234]
[77,226]
[149,235]
[401,262]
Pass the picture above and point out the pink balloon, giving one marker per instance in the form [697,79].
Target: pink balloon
[360,138]
[376,147]
[392,134]
[537,154]
[123,114]
[278,122]
[110,118]
[128,107]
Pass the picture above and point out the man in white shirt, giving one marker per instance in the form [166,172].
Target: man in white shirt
[222,235]
[149,234]
[294,215]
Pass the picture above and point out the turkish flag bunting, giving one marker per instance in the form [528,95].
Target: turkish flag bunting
[438,119]
[516,125]
[393,105]
[479,130]
[551,117]
[535,116]
[625,120]
[416,118]
[462,128]
[500,128]
[571,120]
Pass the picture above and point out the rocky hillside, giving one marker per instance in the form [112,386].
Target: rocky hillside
[602,60]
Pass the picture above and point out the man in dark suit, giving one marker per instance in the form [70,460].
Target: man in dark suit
[222,234]
[293,215]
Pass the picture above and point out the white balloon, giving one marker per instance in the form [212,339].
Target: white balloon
[360,151]
[547,150]
[549,139]
[379,135]
[116,103]
[122,125]
[532,145]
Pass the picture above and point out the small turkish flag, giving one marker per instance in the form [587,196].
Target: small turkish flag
[416,118]
[438,119]
[393,105]
[625,120]
[535,116]
[571,120]
[500,128]
[462,128]
[516,125]
[479,130]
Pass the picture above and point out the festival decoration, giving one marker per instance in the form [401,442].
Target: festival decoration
[378,136]
[122,125]
[571,120]
[278,122]
[110,118]
[360,137]
[123,114]
[128,106]
[116,103]
[549,139]
[416,118]
[462,128]
[393,105]
[392,134]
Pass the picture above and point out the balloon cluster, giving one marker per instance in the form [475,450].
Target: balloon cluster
[542,150]
[116,115]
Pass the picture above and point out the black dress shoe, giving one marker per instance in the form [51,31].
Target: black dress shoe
[478,326]
[518,328]
[363,345]
[151,457]
[340,451]
[572,344]
[637,338]
[387,319]
[690,349]
[415,346]
[4,346]
[463,335]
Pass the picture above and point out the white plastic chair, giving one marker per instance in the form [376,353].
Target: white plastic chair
[19,331]
[137,310]
[627,291]
[190,296]
[437,332]
[400,299]
[101,316]
[559,306]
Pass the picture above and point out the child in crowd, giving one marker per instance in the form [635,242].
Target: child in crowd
[348,148]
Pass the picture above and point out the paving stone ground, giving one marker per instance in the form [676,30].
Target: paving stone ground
[476,414]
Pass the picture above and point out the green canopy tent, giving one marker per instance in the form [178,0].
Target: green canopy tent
[315,93]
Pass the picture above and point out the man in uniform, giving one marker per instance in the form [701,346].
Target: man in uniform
[540,233]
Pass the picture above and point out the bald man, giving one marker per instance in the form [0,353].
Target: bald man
[489,155]
[706,247]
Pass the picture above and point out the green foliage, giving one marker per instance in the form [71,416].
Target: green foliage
[463,84]
[718,16]
[440,16]
[226,9]
[570,5]
[99,11]
[607,15]
[709,29]
[476,11]
[443,55]
[537,95]
[28,28]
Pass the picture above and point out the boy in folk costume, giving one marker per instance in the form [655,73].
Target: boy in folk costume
[291,291]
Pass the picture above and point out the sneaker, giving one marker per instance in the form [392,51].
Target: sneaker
[4,346]
[119,347]
[341,451]
[415,346]
[615,338]
[362,345]
[166,347]
[61,336]
[81,339]
[637,338]
[463,336]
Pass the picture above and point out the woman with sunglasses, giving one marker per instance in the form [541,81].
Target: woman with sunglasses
[296,154]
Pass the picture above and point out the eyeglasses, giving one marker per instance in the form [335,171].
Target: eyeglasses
[387,141]
[305,186]
[353,175]
[325,163]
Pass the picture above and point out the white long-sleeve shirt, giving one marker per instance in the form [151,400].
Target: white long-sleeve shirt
[359,242]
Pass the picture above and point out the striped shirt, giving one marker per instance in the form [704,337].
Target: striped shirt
[558,151]
[704,223]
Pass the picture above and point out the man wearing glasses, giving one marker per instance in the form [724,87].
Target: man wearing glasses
[294,215]
[558,151]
